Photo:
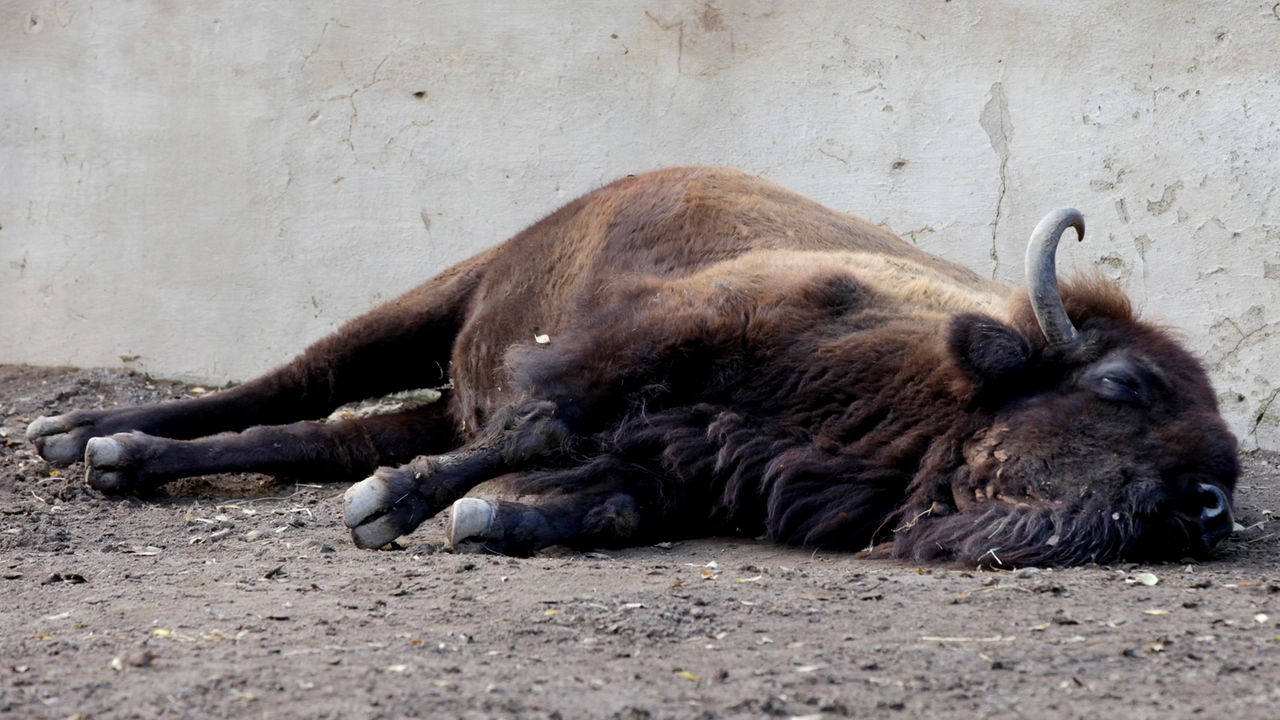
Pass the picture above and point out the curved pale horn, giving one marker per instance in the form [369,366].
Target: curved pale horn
[1042,275]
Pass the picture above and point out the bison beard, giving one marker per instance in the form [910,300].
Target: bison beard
[727,357]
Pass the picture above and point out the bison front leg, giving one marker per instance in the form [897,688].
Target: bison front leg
[395,501]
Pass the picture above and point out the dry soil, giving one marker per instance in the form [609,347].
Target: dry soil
[241,596]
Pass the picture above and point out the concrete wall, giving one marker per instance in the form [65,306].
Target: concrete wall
[205,187]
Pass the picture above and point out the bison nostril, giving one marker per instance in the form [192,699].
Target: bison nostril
[1215,504]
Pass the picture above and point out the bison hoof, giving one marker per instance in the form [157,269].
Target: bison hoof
[109,466]
[383,507]
[58,439]
[470,521]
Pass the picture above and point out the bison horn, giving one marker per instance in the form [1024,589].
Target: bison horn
[1042,275]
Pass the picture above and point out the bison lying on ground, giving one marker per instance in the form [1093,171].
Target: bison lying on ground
[699,351]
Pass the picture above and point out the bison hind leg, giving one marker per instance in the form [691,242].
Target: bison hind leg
[584,520]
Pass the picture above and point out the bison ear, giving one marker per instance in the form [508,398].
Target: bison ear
[986,348]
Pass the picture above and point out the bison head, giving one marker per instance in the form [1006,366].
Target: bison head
[1098,436]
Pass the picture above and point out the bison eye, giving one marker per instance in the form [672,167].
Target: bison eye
[1120,387]
[1119,379]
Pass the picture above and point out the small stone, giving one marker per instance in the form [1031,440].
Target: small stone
[142,659]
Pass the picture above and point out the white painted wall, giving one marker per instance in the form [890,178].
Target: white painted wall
[209,186]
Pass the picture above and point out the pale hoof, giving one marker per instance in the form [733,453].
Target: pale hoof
[43,426]
[383,507]
[108,468]
[103,452]
[471,519]
[55,441]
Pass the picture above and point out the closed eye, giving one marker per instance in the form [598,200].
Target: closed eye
[1116,387]
[1118,379]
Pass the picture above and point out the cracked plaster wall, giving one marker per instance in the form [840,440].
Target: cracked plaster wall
[199,190]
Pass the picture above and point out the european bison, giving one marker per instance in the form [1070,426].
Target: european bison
[699,351]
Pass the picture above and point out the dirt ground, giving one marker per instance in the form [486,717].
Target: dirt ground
[242,596]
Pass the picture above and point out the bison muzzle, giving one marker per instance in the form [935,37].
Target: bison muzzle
[699,351]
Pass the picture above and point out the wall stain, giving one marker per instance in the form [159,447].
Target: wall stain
[1141,243]
[1123,211]
[1113,267]
[1166,201]
[705,44]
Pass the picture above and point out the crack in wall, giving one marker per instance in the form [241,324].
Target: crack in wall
[1262,414]
[833,156]
[306,57]
[1243,336]
[1253,318]
[351,97]
[996,121]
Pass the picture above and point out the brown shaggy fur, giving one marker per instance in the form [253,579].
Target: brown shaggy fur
[726,356]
